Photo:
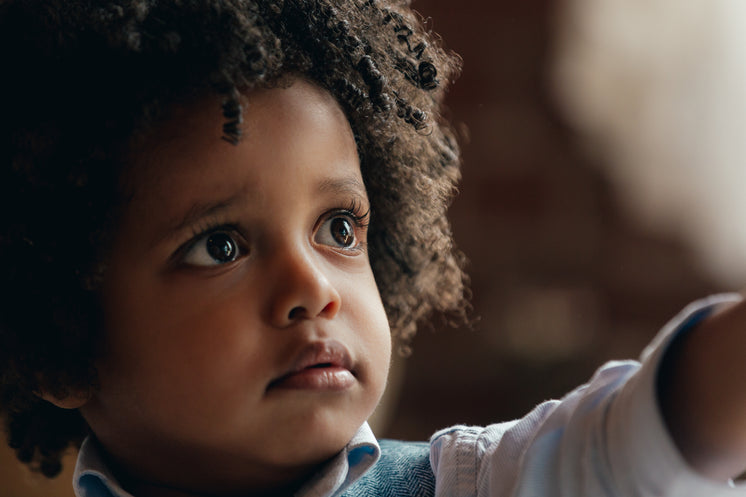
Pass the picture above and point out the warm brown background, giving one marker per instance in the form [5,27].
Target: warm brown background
[561,280]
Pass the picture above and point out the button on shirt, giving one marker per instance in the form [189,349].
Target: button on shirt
[606,438]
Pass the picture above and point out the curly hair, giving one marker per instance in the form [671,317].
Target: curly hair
[81,78]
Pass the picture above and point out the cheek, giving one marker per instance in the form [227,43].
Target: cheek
[372,327]
[172,307]
[380,338]
[179,334]
[381,367]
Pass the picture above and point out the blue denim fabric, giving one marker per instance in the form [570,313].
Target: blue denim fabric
[402,471]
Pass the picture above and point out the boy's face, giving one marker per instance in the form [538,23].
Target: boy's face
[246,341]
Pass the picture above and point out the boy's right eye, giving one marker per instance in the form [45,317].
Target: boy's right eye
[213,249]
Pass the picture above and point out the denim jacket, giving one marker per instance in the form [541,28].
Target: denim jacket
[403,470]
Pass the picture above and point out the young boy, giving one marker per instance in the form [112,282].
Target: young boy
[213,214]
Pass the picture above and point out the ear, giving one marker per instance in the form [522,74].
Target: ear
[73,400]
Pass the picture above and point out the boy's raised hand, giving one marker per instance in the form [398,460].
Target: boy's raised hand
[702,394]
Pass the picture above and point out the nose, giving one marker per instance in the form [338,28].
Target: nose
[301,289]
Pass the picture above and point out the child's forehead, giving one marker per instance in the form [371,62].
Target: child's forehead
[196,127]
[186,158]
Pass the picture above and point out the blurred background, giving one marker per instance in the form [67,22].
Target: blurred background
[601,193]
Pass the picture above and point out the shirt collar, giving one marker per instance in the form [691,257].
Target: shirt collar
[358,456]
[93,479]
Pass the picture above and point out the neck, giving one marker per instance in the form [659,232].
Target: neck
[192,483]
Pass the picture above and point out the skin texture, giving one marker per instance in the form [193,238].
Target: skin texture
[194,395]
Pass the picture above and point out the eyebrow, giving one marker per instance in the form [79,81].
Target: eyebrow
[197,211]
[350,184]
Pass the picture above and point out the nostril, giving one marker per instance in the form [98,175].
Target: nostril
[296,313]
[328,308]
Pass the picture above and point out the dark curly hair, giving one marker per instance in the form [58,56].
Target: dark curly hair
[81,78]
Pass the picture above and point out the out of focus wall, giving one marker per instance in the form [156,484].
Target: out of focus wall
[656,89]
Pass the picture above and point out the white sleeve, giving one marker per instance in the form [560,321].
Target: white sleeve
[606,438]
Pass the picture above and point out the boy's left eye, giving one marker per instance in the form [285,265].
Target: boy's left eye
[338,231]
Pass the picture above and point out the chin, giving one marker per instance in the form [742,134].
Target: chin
[321,441]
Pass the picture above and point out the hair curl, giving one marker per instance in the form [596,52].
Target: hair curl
[81,78]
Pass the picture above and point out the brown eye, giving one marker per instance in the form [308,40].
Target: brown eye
[342,231]
[213,249]
[221,247]
[338,231]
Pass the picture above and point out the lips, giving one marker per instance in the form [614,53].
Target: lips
[320,366]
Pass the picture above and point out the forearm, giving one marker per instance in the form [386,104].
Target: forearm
[701,393]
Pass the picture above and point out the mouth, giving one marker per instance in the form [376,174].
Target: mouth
[320,366]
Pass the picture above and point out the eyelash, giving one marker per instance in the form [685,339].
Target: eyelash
[208,227]
[355,212]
